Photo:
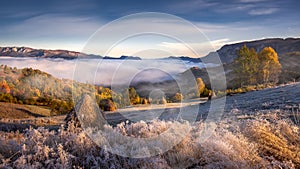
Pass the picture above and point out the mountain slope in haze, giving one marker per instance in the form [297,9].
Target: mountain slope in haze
[64,54]
[227,53]
[43,53]
[185,58]
[123,58]
[283,47]
[290,63]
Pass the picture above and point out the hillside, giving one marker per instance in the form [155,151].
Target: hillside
[288,51]
[283,47]
[18,111]
[34,87]
[227,53]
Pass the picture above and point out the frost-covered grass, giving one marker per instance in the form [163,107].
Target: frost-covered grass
[264,141]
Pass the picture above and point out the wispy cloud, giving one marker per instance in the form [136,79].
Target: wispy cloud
[191,6]
[51,31]
[48,25]
[66,25]
[252,1]
[192,49]
[219,42]
[229,8]
[263,11]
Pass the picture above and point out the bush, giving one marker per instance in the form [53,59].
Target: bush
[206,92]
[178,97]
[107,105]
[7,98]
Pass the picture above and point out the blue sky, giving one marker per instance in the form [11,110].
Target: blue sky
[68,24]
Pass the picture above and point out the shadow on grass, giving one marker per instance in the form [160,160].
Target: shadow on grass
[29,112]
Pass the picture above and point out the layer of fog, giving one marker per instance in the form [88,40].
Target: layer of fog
[106,72]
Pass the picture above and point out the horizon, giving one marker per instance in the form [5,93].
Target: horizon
[68,25]
[161,57]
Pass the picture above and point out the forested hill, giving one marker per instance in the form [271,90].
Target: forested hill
[34,87]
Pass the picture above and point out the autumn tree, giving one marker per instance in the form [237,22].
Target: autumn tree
[269,66]
[253,68]
[4,88]
[247,65]
[133,96]
[200,86]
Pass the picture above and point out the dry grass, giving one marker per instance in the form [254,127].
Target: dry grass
[18,111]
[264,141]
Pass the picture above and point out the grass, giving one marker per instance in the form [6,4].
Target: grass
[19,111]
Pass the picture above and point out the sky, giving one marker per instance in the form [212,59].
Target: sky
[72,24]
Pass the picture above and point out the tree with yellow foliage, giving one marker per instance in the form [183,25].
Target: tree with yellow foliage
[200,86]
[4,88]
[269,66]
[253,68]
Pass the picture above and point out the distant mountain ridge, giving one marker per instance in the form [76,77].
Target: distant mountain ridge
[124,57]
[42,53]
[227,53]
[64,54]
[185,58]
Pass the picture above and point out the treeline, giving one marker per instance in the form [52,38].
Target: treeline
[110,100]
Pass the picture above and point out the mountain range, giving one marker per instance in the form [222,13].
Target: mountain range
[64,54]
[227,53]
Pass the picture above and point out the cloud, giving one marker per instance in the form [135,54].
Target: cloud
[55,31]
[252,1]
[229,8]
[263,11]
[189,49]
[104,72]
[219,42]
[55,25]
[151,31]
[192,5]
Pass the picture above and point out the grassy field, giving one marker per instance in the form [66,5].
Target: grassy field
[18,111]
[19,117]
